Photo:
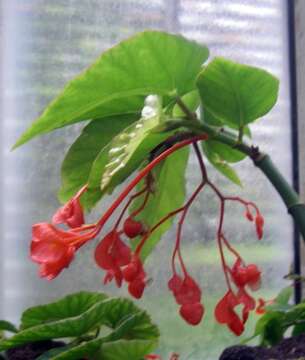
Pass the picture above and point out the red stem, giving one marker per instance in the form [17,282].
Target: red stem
[180,224]
[127,205]
[142,174]
[219,240]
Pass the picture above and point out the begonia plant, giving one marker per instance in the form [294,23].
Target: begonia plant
[147,101]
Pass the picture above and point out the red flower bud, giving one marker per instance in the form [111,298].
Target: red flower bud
[133,228]
[259,223]
[192,313]
[248,215]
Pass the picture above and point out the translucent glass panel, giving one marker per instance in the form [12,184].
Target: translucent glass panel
[45,44]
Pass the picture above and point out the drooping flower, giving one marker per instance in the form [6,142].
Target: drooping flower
[71,213]
[53,249]
[187,294]
[225,314]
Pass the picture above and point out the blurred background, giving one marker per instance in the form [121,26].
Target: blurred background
[47,42]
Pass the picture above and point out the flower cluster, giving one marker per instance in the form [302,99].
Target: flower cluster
[53,248]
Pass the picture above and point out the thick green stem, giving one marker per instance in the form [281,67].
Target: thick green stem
[263,161]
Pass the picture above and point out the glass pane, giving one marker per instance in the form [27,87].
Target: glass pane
[45,44]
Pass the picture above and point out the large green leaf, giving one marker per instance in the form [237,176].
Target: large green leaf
[81,155]
[220,164]
[236,94]
[109,312]
[169,194]
[69,306]
[127,349]
[150,62]
[123,330]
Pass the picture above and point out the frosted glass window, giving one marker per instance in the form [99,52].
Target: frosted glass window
[47,42]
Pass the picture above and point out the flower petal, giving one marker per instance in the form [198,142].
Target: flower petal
[192,313]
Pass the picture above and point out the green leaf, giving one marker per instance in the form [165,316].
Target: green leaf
[273,331]
[220,164]
[191,100]
[7,326]
[125,328]
[284,296]
[106,312]
[236,94]
[129,148]
[81,155]
[150,62]
[225,152]
[127,350]
[268,321]
[69,306]
[169,194]
[123,156]
[298,329]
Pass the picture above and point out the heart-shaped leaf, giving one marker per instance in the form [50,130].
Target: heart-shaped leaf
[236,94]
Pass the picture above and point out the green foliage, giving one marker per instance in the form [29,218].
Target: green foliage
[133,96]
[124,154]
[279,318]
[219,163]
[77,164]
[126,350]
[150,62]
[89,321]
[236,94]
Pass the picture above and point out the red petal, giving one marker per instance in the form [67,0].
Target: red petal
[130,272]
[120,252]
[189,292]
[102,255]
[136,288]
[192,313]
[239,274]
[71,214]
[253,276]
[224,308]
[236,326]
[47,251]
[175,283]
[51,270]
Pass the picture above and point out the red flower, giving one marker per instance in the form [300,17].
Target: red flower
[53,249]
[71,213]
[187,294]
[111,254]
[248,275]
[225,314]
[259,224]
